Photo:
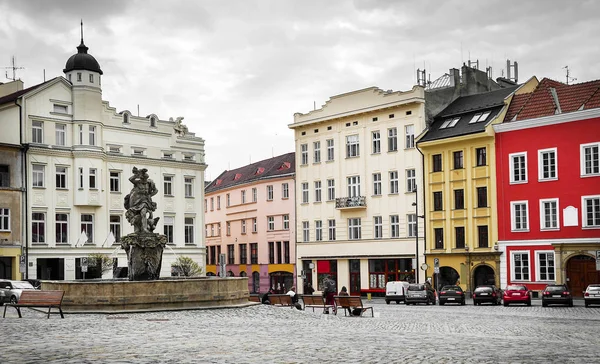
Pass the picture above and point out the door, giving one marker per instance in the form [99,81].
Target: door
[483,275]
[354,277]
[6,267]
[581,271]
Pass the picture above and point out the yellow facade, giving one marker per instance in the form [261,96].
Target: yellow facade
[12,253]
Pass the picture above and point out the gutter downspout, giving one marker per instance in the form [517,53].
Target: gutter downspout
[24,148]
[424,208]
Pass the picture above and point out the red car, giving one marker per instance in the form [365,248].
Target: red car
[517,293]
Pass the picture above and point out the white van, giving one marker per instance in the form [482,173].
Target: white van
[395,291]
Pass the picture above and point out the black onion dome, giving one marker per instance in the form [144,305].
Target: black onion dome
[82,61]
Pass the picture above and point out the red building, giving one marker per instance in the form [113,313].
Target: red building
[548,182]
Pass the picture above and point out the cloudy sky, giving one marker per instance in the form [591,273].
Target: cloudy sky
[238,70]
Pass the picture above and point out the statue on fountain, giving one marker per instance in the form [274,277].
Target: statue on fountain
[144,247]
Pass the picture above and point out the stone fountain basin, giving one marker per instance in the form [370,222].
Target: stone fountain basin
[110,296]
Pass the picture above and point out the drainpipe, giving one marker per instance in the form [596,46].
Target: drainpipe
[424,209]
[24,148]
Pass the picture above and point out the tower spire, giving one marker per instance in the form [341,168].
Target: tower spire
[81,31]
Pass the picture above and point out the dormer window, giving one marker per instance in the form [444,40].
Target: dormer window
[167,155]
[91,78]
[78,76]
[69,77]
[237,176]
[138,152]
[152,122]
[125,118]
[114,149]
[188,157]
[285,165]
[259,170]
[62,109]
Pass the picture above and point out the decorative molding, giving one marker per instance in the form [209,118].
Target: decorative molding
[547,120]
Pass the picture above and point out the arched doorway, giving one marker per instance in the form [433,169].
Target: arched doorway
[255,282]
[581,271]
[447,276]
[483,275]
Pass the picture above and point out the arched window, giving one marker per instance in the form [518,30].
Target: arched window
[152,122]
[125,118]
[255,282]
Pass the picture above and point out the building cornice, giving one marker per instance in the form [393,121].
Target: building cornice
[549,241]
[547,120]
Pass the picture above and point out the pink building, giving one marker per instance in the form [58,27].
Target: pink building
[249,215]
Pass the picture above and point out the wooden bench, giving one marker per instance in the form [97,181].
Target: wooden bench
[352,303]
[39,299]
[316,301]
[254,298]
[281,300]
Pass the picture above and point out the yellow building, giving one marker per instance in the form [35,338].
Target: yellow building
[460,191]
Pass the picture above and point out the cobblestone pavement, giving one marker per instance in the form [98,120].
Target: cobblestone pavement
[266,334]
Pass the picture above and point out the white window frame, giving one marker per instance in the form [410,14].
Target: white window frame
[411,180]
[354,228]
[584,222]
[330,150]
[305,231]
[88,227]
[286,222]
[304,192]
[543,226]
[243,226]
[80,134]
[38,175]
[376,142]
[582,149]
[352,146]
[285,191]
[317,191]
[168,185]
[513,217]
[394,187]
[392,139]
[93,179]
[330,189]
[541,154]
[303,154]
[188,229]
[538,266]
[169,228]
[60,109]
[114,226]
[37,132]
[254,225]
[511,159]
[513,266]
[411,225]
[318,230]
[58,224]
[394,226]
[60,134]
[410,136]
[317,152]
[254,194]
[92,135]
[377,227]
[4,219]
[81,178]
[41,223]
[377,188]
[188,183]
[227,200]
[353,186]
[270,223]
[270,193]
[62,173]
[331,230]
[115,181]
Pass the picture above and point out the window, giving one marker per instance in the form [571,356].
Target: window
[269,192]
[520,218]
[520,263]
[410,136]
[354,229]
[439,238]
[91,78]
[317,191]
[437,162]
[394,226]
[37,174]
[376,141]
[61,134]
[304,154]
[305,231]
[518,170]
[459,231]
[590,159]
[87,226]
[227,200]
[92,135]
[482,236]
[482,197]
[230,254]
[152,122]
[80,134]
[37,132]
[4,220]
[317,152]
[545,266]
[378,227]
[459,199]
[450,123]
[92,178]
[330,189]
[254,225]
[253,253]
[591,211]
[304,192]
[330,150]
[352,146]
[212,203]
[189,186]
[377,184]
[393,182]
[78,76]
[228,228]
[243,228]
[549,214]
[480,156]
[286,222]
[437,201]
[318,230]
[243,254]
[286,252]
[168,185]
[254,194]
[271,252]
[270,223]
[169,228]
[479,117]
[115,182]
[138,152]
[392,140]
[125,118]
[4,176]
[114,149]
[458,159]
[188,230]
[115,227]
[353,186]
[411,220]
[331,229]
[547,165]
[80,178]
[285,191]
[61,177]
[38,228]
[411,180]
[61,109]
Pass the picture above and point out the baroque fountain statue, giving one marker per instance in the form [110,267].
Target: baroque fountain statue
[144,247]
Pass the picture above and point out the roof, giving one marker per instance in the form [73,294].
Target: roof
[552,97]
[467,114]
[82,60]
[282,165]
[10,98]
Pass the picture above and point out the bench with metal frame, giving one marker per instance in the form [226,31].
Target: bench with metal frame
[254,298]
[281,300]
[38,299]
[352,303]
[317,301]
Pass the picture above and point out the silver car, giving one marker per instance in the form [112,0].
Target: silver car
[592,295]
[10,291]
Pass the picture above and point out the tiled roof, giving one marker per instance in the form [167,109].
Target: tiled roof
[15,95]
[272,167]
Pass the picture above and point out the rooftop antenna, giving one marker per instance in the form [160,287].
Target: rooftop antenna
[14,68]
[569,78]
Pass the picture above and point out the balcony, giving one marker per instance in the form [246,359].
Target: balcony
[347,203]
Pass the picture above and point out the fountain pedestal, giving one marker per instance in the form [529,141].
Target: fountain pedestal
[144,255]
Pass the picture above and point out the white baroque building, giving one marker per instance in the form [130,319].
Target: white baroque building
[79,156]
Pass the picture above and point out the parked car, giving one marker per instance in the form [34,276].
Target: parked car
[395,291]
[591,295]
[516,293]
[557,294]
[10,291]
[451,294]
[489,294]
[419,293]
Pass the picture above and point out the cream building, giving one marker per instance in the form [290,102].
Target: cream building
[80,153]
[357,169]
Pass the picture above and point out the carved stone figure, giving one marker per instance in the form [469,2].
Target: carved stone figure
[180,128]
[139,203]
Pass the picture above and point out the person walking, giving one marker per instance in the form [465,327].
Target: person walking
[329,290]
[292,293]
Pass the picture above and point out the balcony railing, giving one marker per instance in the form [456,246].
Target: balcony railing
[351,202]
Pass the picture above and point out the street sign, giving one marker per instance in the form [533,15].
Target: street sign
[84,264]
[22,264]
[436,270]
[436,263]
[597,259]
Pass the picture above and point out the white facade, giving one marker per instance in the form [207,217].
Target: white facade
[362,142]
[80,156]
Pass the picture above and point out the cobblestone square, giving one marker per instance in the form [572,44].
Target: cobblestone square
[266,334]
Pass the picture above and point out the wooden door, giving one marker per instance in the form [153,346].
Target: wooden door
[581,271]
